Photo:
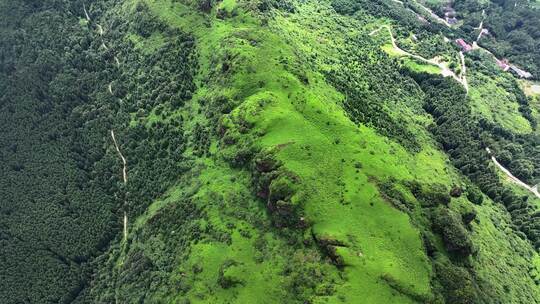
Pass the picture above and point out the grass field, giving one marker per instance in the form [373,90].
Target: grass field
[531,88]
[344,205]
[419,67]
[491,100]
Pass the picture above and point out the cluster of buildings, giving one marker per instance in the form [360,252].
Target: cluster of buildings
[504,64]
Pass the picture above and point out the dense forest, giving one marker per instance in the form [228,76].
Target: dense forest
[61,174]
[237,151]
[58,208]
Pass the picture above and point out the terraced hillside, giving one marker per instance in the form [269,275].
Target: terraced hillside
[260,151]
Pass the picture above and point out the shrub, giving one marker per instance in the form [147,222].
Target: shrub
[468,216]
[458,285]
[456,191]
[225,279]
[455,236]
[474,195]
[430,196]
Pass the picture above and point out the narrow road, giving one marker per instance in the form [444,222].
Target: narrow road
[475,45]
[515,180]
[125,177]
[433,15]
[463,74]
[109,88]
[480,35]
[376,31]
[100,29]
[124,162]
[125,226]
[535,89]
[445,71]
[481,26]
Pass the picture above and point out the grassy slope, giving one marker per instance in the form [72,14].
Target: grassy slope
[216,177]
[492,101]
[503,259]
[496,261]
[382,240]
[534,97]
[421,68]
[320,144]
[258,277]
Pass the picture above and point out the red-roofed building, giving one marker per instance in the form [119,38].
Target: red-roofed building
[465,47]
[503,64]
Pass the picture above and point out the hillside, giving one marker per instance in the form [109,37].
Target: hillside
[263,151]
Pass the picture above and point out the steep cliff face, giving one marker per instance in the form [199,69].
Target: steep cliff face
[175,151]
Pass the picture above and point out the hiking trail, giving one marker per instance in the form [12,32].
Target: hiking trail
[124,175]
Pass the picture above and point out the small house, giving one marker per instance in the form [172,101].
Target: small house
[451,20]
[465,47]
[503,64]
[521,73]
[450,15]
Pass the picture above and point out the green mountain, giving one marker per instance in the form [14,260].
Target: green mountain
[265,151]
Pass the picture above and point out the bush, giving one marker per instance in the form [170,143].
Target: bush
[457,284]
[455,236]
[456,191]
[474,195]
[285,212]
[430,196]
[225,279]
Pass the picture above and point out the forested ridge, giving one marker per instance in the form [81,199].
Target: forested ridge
[58,182]
[275,152]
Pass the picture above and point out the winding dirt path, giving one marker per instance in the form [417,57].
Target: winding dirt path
[125,177]
[375,31]
[515,180]
[109,88]
[86,12]
[124,162]
[481,26]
